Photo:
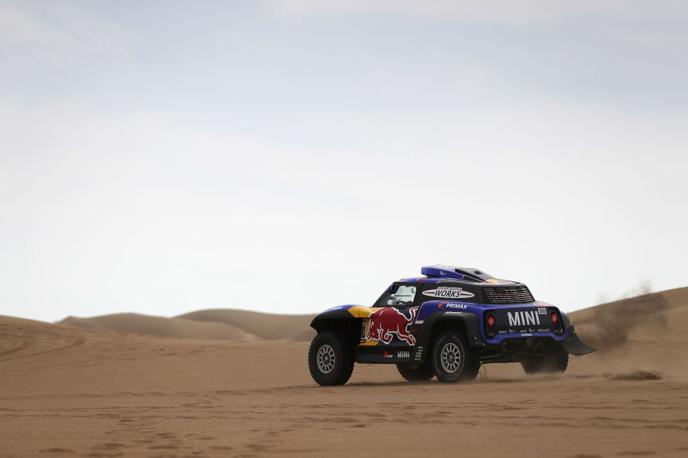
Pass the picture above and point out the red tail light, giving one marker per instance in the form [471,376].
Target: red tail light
[555,317]
[490,322]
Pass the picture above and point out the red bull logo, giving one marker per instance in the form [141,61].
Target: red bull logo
[385,323]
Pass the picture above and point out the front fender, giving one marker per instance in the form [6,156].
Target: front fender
[326,319]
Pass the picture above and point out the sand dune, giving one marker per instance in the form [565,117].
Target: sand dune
[162,327]
[87,391]
[658,316]
[219,324]
[265,325]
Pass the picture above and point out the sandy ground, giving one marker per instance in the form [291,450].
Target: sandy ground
[67,391]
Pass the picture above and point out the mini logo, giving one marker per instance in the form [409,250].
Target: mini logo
[403,354]
[523,318]
[449,292]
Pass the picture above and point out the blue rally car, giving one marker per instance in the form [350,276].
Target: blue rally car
[444,324]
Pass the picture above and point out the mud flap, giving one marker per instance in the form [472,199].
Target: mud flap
[575,346]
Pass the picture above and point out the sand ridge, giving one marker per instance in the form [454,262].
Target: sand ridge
[212,324]
[263,325]
[162,327]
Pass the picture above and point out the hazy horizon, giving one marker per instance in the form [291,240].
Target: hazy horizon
[288,156]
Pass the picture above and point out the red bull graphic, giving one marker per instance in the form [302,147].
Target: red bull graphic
[385,323]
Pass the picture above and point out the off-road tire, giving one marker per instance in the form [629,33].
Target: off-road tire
[420,373]
[450,357]
[472,367]
[554,359]
[330,359]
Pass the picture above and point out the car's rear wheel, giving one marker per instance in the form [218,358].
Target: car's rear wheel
[420,373]
[330,359]
[450,358]
[552,359]
[472,367]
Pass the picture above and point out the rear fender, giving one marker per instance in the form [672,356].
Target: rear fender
[467,322]
[566,321]
[574,345]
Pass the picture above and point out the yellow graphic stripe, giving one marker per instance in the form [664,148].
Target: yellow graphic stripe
[360,311]
[368,343]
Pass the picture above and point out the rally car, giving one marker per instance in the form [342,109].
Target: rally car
[444,324]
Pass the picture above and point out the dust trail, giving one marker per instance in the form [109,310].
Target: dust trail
[609,326]
[638,375]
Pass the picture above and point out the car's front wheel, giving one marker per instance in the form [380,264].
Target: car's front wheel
[449,356]
[330,360]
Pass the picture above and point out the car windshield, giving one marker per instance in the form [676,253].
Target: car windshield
[404,295]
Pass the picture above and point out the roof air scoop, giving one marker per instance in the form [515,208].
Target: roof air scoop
[459,273]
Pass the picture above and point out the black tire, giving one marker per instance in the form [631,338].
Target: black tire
[472,368]
[553,359]
[335,355]
[450,358]
[420,373]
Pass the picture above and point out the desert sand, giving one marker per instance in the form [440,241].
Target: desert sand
[232,383]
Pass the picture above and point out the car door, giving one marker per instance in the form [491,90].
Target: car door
[391,324]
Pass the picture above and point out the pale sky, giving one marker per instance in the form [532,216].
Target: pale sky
[287,156]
